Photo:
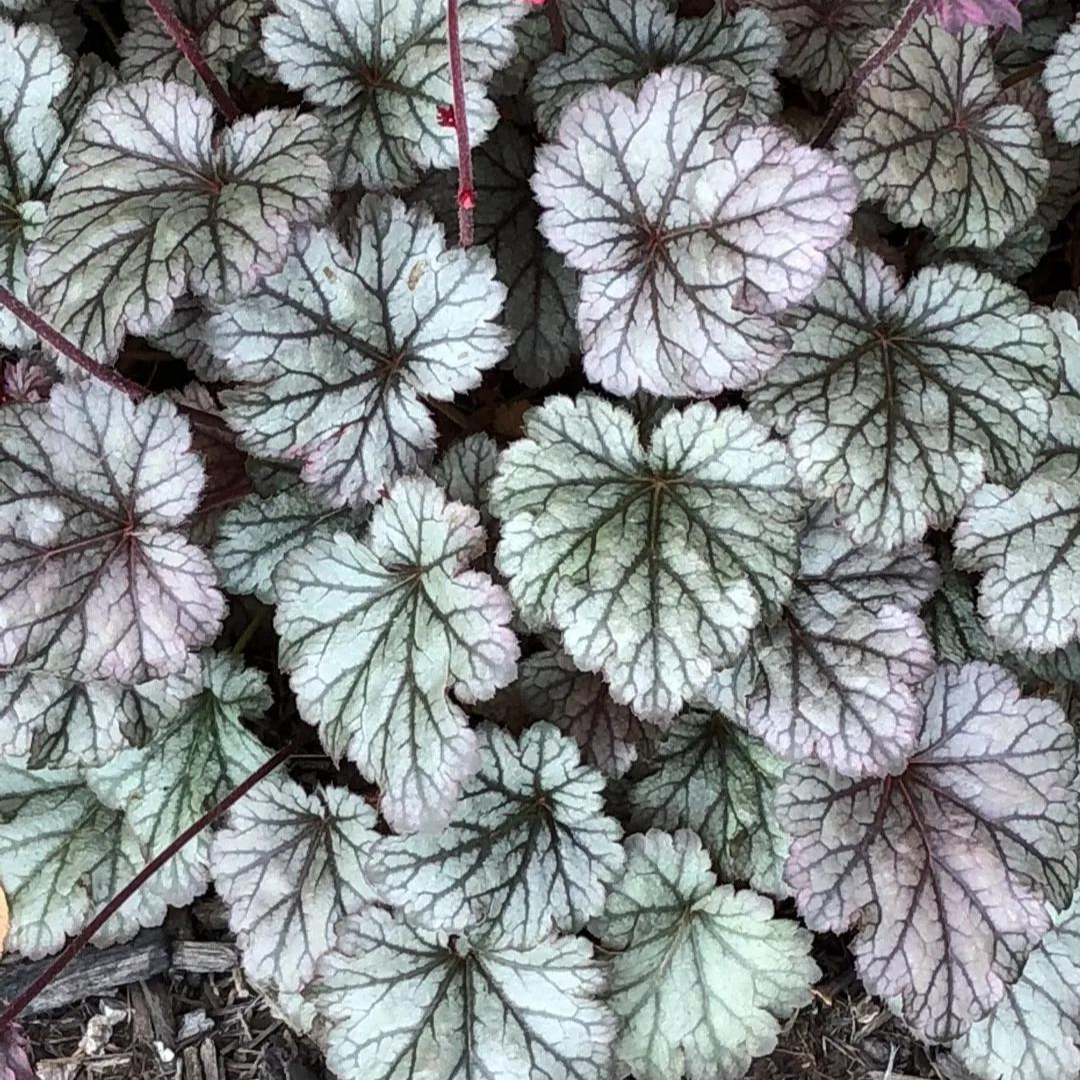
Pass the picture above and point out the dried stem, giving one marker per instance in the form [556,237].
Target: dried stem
[846,98]
[66,348]
[75,946]
[466,192]
[1028,71]
[186,43]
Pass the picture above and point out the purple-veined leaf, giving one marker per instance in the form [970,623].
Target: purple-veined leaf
[1042,23]
[401,1002]
[930,139]
[98,578]
[466,469]
[541,291]
[150,206]
[528,849]
[950,617]
[897,402]
[377,75]
[653,562]
[691,231]
[840,670]
[377,634]
[1062,81]
[945,867]
[701,973]
[23,382]
[290,865]
[619,43]
[334,355]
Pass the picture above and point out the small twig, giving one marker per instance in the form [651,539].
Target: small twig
[66,348]
[1023,73]
[555,22]
[186,43]
[75,946]
[466,192]
[846,98]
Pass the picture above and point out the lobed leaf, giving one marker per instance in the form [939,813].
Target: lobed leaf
[1062,81]
[466,469]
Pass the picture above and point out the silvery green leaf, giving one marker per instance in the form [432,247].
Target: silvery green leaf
[255,534]
[377,74]
[541,292]
[184,335]
[1026,544]
[654,562]
[551,687]
[187,766]
[1018,254]
[1033,1033]
[708,775]
[1044,21]
[951,620]
[466,469]
[826,39]
[841,669]
[290,865]
[534,41]
[701,231]
[63,854]
[945,867]
[41,94]
[53,721]
[62,17]
[151,206]
[97,576]
[527,851]
[224,31]
[701,974]
[401,1003]
[930,139]
[377,635]
[619,43]
[334,355]
[1061,78]
[898,401]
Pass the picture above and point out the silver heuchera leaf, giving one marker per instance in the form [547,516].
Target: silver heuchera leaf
[826,39]
[290,865]
[710,776]
[257,533]
[930,140]
[377,634]
[97,578]
[947,866]
[701,973]
[654,563]
[167,785]
[41,94]
[1061,78]
[63,854]
[1026,544]
[378,74]
[150,206]
[466,469]
[398,999]
[334,354]
[225,31]
[951,621]
[541,297]
[619,43]
[527,851]
[701,231]
[1033,1033]
[897,402]
[551,686]
[57,722]
[839,672]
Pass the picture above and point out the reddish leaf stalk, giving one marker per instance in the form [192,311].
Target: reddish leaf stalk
[186,43]
[66,348]
[466,192]
[1021,74]
[846,98]
[75,946]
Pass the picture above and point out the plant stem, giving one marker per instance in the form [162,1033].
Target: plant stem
[66,348]
[1022,73]
[75,946]
[846,98]
[466,192]
[186,43]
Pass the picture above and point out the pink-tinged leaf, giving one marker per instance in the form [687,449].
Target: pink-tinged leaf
[98,577]
[945,868]
[24,383]
[16,1057]
[954,15]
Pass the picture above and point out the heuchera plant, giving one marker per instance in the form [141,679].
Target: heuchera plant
[635,451]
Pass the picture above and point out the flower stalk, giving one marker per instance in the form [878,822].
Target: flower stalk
[466,192]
